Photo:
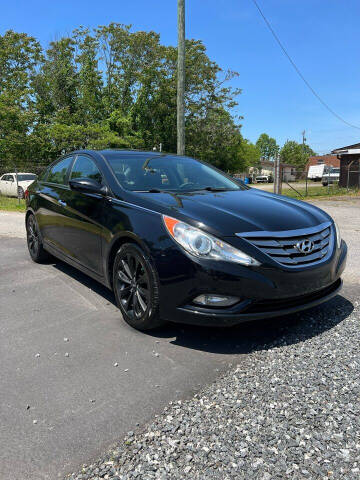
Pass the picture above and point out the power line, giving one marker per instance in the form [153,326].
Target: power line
[299,72]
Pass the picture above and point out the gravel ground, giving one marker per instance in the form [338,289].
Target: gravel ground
[290,410]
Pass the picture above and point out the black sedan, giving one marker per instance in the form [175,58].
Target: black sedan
[178,240]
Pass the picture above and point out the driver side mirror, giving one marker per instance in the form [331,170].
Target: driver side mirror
[88,185]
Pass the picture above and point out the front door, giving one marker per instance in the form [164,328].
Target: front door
[12,190]
[4,184]
[83,233]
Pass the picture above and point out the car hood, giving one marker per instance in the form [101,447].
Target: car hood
[227,213]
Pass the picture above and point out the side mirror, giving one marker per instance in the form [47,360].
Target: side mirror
[88,185]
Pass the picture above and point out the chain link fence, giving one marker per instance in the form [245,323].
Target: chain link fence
[342,180]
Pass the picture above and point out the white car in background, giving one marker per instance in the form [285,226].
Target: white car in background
[12,188]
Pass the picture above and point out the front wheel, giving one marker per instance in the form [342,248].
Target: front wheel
[34,241]
[136,288]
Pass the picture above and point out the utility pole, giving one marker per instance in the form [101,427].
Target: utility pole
[181,79]
[306,172]
[278,173]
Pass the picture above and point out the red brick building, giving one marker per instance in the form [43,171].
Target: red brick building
[331,160]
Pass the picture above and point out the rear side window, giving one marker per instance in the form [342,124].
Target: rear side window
[84,167]
[57,173]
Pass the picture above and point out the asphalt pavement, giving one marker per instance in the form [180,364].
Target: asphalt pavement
[76,378]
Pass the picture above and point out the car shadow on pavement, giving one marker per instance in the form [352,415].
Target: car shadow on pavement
[243,338]
[84,279]
[259,334]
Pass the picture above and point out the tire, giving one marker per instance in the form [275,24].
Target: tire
[324,184]
[136,288]
[34,241]
[21,193]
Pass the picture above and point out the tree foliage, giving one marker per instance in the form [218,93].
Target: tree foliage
[295,153]
[267,146]
[113,87]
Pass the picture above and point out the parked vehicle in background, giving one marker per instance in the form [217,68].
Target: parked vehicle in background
[197,248]
[316,172]
[11,186]
[264,179]
[330,176]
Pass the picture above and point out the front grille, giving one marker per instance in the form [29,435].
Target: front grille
[279,304]
[281,246]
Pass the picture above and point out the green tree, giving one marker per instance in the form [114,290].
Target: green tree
[20,55]
[115,87]
[249,155]
[57,84]
[215,139]
[267,146]
[90,85]
[296,154]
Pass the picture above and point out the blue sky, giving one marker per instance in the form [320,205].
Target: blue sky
[322,36]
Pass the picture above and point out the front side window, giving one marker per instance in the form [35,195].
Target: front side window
[168,172]
[10,178]
[57,173]
[84,167]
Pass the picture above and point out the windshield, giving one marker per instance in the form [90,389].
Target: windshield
[26,177]
[139,172]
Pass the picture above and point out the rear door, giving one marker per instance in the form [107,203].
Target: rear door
[51,213]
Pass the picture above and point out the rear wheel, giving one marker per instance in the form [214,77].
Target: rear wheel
[34,241]
[136,288]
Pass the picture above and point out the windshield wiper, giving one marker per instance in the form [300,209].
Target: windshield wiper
[147,161]
[151,190]
[215,189]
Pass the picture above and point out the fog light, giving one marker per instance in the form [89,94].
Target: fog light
[212,300]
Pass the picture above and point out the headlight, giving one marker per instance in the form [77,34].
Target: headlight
[338,236]
[204,245]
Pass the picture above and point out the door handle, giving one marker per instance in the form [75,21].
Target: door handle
[62,203]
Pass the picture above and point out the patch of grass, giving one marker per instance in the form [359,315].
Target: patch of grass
[319,192]
[12,204]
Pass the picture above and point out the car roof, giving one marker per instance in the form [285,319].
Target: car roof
[119,152]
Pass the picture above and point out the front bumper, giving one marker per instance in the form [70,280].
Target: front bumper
[265,291]
[193,315]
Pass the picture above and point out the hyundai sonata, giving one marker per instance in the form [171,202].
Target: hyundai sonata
[178,240]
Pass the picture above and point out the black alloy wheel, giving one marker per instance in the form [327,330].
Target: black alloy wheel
[136,288]
[35,245]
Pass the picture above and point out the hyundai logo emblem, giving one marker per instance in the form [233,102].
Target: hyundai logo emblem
[305,246]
